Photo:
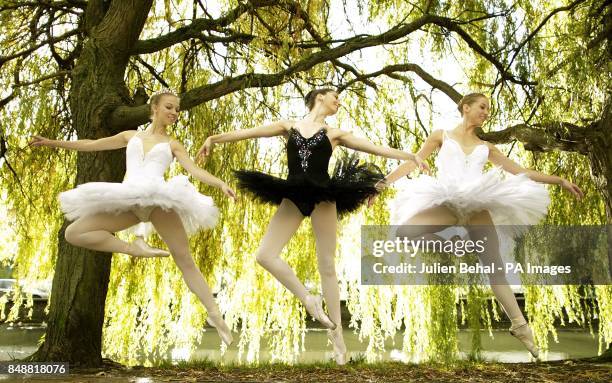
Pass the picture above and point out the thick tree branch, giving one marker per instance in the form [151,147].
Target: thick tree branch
[392,69]
[7,99]
[134,116]
[121,26]
[41,79]
[544,137]
[94,13]
[231,38]
[194,30]
[60,5]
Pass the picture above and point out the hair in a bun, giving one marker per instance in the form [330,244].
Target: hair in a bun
[311,96]
[468,99]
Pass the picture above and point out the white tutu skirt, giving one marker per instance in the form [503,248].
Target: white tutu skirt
[512,200]
[197,211]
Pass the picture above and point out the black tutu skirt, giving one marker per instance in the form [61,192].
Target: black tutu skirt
[350,185]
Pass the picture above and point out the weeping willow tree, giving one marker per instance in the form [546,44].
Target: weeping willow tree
[84,69]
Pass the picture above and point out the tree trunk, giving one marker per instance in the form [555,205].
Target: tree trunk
[80,283]
[601,165]
[600,157]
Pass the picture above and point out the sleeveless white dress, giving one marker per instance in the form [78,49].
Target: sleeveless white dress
[465,188]
[143,189]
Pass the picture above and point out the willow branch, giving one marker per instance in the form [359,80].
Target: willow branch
[134,116]
[194,30]
[5,59]
[540,26]
[393,69]
[41,79]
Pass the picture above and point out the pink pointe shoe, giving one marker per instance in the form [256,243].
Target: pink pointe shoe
[219,324]
[314,306]
[524,334]
[335,336]
[142,249]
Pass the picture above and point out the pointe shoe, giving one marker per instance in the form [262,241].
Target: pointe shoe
[335,336]
[142,249]
[222,329]
[314,306]
[524,334]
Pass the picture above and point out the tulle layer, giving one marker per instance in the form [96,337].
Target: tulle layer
[510,199]
[197,211]
[350,185]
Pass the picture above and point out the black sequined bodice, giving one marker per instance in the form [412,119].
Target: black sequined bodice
[308,157]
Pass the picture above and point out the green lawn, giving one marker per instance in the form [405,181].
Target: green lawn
[562,371]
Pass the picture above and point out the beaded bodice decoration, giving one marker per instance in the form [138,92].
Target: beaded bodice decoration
[308,156]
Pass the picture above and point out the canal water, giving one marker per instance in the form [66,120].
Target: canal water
[17,342]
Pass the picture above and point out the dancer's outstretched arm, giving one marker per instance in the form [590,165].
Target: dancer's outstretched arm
[117,141]
[500,159]
[181,155]
[347,139]
[431,143]
[276,128]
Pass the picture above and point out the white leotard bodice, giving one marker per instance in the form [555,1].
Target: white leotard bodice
[152,164]
[453,163]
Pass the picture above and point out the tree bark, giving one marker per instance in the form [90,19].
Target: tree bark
[80,283]
[600,157]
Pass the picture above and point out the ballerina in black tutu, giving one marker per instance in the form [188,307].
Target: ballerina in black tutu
[310,191]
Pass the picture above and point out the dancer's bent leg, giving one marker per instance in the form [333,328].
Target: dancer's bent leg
[95,232]
[281,228]
[428,221]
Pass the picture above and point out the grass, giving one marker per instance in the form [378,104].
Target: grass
[587,370]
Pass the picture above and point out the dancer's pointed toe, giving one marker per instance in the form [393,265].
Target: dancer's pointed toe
[142,249]
[222,328]
[337,340]
[314,306]
[525,335]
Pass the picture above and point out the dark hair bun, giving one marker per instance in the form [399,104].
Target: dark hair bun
[311,96]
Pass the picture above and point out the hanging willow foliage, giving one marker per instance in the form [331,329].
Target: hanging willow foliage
[149,309]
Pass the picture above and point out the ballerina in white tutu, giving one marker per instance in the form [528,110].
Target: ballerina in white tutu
[174,207]
[463,194]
